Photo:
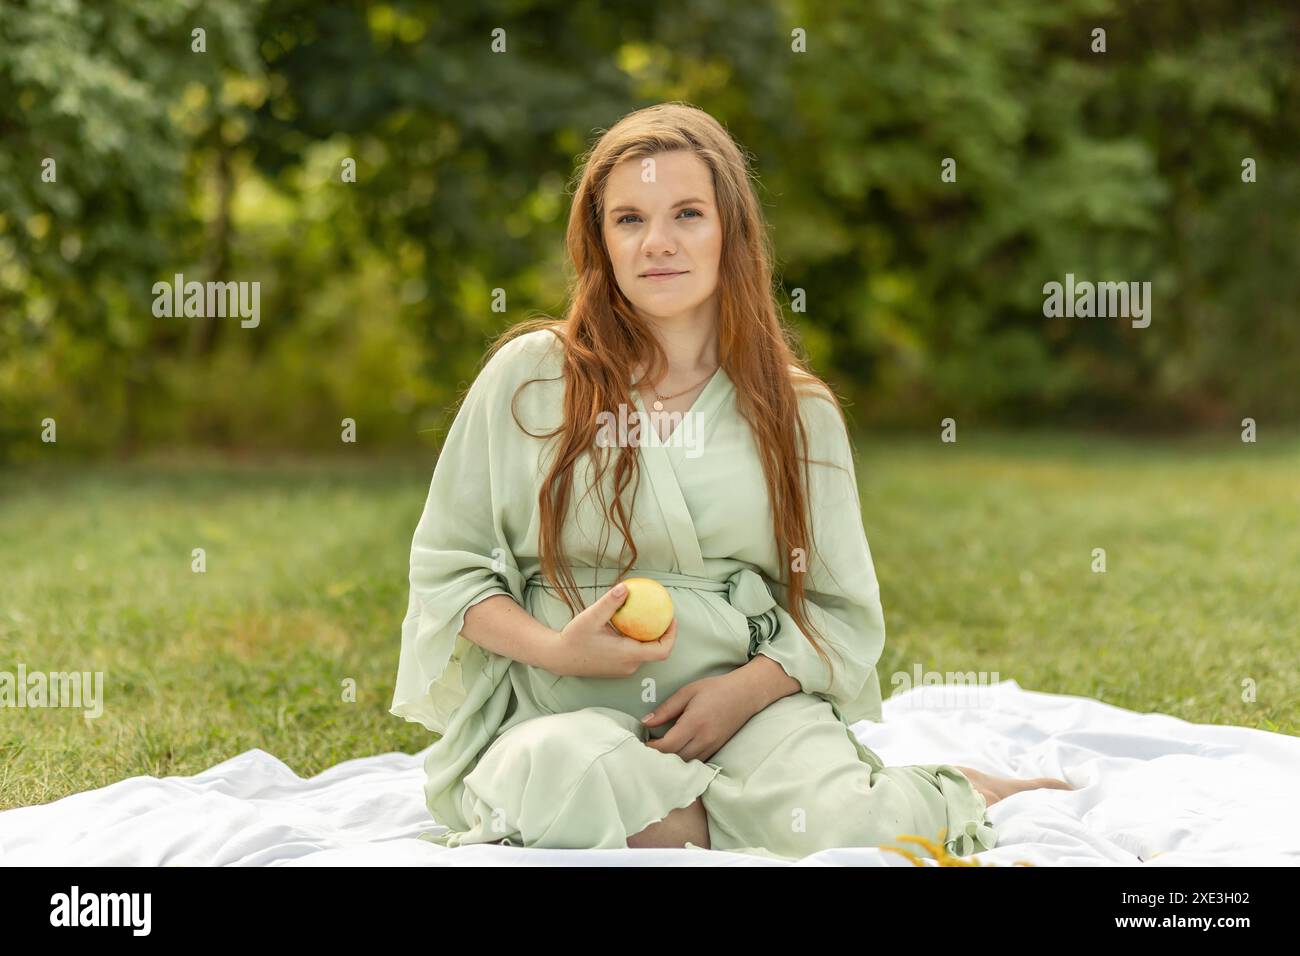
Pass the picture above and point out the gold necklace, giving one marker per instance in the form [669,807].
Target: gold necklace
[660,399]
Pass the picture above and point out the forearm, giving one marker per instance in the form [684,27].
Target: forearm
[763,681]
[498,624]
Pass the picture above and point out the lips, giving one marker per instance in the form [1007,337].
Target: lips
[663,275]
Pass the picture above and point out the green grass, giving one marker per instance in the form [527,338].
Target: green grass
[983,550]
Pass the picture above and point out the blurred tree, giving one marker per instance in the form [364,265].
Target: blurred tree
[106,131]
[924,296]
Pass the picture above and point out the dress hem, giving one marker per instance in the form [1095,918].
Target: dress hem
[695,795]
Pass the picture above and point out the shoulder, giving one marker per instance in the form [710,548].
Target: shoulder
[536,345]
[823,418]
[520,381]
[529,355]
[818,405]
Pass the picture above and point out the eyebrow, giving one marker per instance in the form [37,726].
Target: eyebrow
[680,202]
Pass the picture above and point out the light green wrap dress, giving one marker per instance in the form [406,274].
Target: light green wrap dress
[527,757]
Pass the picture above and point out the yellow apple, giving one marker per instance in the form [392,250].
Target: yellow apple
[646,612]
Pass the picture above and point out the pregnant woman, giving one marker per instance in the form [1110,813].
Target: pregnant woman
[737,493]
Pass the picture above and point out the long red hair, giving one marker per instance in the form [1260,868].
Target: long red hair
[604,340]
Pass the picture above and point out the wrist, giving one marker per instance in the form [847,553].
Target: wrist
[766,681]
[550,650]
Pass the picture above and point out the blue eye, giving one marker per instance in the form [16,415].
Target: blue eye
[629,215]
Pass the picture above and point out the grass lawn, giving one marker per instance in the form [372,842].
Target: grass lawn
[984,550]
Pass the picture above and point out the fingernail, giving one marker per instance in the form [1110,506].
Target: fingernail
[646,718]
[620,590]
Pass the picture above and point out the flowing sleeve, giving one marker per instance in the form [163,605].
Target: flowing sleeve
[460,554]
[841,591]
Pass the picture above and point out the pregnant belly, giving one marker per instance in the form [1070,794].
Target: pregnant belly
[712,639]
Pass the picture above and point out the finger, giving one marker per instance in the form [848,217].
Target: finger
[674,705]
[610,602]
[693,750]
[671,709]
[603,608]
[659,649]
[668,710]
[673,741]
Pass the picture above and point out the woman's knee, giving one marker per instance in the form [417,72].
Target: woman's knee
[573,735]
[682,825]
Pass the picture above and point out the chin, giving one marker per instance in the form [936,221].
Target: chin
[661,309]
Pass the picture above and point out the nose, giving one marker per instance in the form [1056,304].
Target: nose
[656,241]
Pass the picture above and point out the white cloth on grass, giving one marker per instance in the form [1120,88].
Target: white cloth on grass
[1153,790]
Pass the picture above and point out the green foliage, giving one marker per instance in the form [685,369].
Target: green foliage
[924,296]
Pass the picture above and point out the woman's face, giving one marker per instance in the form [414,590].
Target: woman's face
[660,215]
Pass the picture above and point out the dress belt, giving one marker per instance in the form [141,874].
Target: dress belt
[746,591]
[608,577]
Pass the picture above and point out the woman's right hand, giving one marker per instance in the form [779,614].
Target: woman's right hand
[589,646]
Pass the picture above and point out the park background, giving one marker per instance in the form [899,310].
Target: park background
[924,302]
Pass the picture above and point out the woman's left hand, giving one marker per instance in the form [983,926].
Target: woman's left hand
[708,711]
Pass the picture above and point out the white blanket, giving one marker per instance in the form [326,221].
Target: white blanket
[1152,789]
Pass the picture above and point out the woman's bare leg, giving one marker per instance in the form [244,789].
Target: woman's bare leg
[673,831]
[998,788]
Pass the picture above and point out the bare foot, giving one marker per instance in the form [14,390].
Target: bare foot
[994,788]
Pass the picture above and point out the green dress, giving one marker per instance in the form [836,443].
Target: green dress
[530,758]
